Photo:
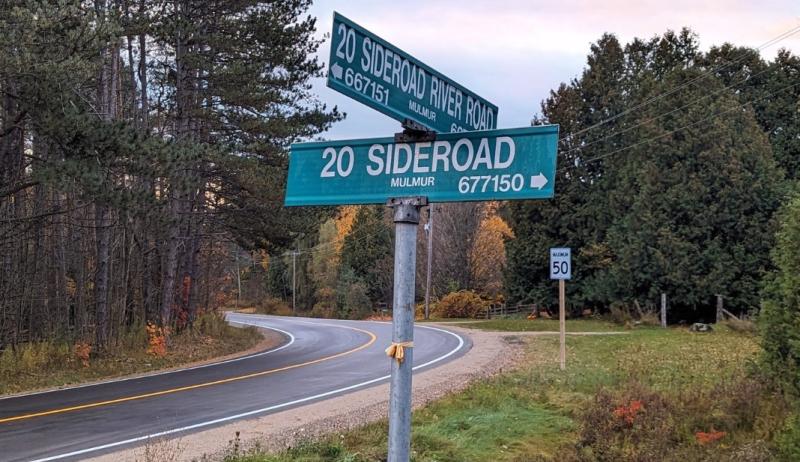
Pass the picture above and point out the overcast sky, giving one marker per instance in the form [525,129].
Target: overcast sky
[514,52]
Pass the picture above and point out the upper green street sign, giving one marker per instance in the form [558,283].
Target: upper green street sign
[370,70]
[517,163]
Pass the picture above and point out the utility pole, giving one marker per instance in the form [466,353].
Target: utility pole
[294,253]
[429,232]
[294,282]
[238,277]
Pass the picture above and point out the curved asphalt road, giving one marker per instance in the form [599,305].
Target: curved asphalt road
[319,358]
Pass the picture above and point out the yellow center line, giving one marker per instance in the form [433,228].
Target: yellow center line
[193,387]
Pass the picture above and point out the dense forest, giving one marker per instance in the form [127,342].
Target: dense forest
[142,144]
[145,143]
[672,168]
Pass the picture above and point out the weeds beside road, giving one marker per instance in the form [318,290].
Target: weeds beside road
[50,364]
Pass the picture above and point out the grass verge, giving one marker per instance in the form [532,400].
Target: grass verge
[538,412]
[49,364]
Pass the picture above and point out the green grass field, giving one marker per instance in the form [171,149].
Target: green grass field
[530,413]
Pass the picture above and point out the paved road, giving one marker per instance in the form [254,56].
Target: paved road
[318,359]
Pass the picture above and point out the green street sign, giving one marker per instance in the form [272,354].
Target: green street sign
[372,71]
[517,163]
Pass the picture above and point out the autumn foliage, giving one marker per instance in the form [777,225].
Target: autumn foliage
[709,437]
[628,413]
[156,340]
[82,352]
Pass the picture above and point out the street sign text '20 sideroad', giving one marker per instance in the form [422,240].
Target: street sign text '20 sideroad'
[472,166]
[372,71]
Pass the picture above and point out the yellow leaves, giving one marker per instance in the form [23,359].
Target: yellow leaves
[263,260]
[157,340]
[488,255]
[344,223]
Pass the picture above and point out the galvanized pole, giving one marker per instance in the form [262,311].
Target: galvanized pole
[430,253]
[406,218]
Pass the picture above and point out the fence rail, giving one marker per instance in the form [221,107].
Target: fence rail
[503,310]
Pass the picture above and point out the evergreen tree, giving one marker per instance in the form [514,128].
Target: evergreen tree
[780,317]
[366,250]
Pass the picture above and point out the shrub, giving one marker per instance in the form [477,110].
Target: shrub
[352,299]
[780,316]
[274,306]
[157,343]
[636,423]
[322,310]
[82,352]
[461,304]
[619,313]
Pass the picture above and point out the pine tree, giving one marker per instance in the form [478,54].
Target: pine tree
[367,252]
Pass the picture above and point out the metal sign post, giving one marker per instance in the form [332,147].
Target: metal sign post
[561,269]
[406,219]
[449,151]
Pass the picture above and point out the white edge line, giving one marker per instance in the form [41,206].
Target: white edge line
[256,411]
[173,371]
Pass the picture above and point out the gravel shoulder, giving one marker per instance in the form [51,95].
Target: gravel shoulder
[492,353]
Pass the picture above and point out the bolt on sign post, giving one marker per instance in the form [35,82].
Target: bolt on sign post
[438,158]
[561,269]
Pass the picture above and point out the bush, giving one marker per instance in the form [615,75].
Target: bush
[780,317]
[636,423]
[619,313]
[323,310]
[461,304]
[274,306]
[352,299]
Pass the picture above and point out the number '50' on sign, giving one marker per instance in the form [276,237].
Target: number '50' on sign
[560,263]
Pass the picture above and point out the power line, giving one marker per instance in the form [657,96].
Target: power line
[648,140]
[766,44]
[627,129]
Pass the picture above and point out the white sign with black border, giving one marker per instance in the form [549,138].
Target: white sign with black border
[560,263]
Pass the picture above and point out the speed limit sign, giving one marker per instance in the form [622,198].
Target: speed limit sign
[560,263]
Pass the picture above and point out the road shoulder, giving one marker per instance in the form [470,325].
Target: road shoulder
[492,353]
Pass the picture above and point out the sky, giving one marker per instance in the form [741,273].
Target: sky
[513,52]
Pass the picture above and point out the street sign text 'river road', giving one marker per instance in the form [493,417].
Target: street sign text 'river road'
[486,165]
[373,72]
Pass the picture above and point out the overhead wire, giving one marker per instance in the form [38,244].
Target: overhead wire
[672,111]
[651,100]
[649,140]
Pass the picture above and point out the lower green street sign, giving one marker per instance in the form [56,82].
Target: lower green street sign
[485,165]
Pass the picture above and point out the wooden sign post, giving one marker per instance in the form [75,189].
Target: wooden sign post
[561,269]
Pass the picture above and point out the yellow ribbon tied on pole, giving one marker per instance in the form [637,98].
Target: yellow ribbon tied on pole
[397,350]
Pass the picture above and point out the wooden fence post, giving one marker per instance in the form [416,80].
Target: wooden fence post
[663,310]
[719,308]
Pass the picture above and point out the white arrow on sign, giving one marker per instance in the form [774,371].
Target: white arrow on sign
[336,70]
[538,181]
